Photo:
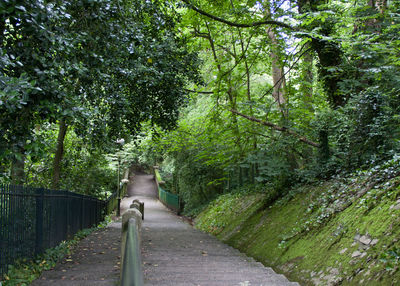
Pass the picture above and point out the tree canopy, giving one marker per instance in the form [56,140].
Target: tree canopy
[252,93]
[293,92]
[101,67]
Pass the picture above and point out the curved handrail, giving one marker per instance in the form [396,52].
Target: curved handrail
[139,206]
[131,259]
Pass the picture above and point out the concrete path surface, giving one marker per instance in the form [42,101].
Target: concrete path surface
[173,253]
[176,254]
[95,261]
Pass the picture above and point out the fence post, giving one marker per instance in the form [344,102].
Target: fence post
[98,212]
[66,214]
[240,177]
[119,190]
[95,213]
[82,213]
[39,221]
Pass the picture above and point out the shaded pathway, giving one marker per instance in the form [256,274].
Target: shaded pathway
[176,254]
[95,261]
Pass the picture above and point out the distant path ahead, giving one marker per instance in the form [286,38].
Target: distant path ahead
[176,254]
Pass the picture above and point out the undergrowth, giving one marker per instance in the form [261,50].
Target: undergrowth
[338,232]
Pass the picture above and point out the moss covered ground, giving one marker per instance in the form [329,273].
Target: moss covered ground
[344,231]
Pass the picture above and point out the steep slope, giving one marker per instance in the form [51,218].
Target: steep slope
[342,232]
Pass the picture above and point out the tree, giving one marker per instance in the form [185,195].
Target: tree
[123,63]
[340,74]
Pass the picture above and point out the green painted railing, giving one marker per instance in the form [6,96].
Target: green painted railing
[170,200]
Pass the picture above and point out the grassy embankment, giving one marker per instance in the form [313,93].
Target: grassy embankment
[345,231]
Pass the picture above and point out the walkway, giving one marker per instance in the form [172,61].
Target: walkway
[95,261]
[176,254]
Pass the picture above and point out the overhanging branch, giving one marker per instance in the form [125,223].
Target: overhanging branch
[239,25]
[197,91]
[278,128]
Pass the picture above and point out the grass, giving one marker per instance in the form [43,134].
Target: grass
[312,235]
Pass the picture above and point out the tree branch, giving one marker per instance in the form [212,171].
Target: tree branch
[197,33]
[239,25]
[196,91]
[278,128]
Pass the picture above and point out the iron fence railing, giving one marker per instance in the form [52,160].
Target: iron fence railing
[34,219]
[111,203]
[240,176]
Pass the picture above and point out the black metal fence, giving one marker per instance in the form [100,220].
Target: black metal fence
[34,219]
[111,203]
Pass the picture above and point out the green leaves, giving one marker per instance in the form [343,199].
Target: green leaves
[341,73]
[104,66]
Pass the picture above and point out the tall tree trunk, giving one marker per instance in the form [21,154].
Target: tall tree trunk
[329,54]
[379,5]
[278,76]
[248,78]
[62,131]
[307,74]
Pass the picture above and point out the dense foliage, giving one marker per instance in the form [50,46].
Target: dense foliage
[288,92]
[293,92]
[96,69]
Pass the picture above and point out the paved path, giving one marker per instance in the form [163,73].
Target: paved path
[176,254]
[95,261]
